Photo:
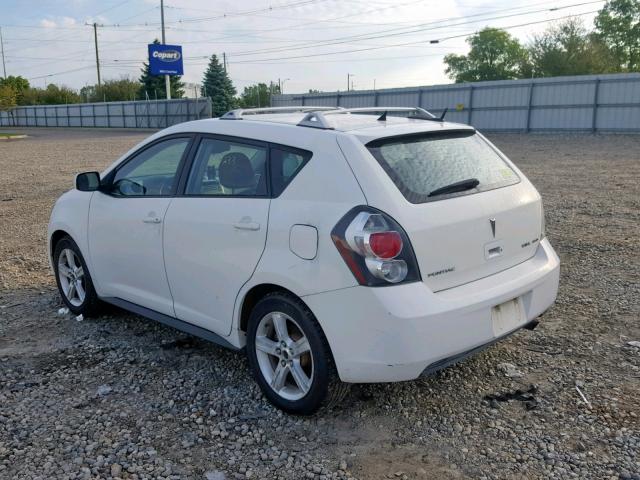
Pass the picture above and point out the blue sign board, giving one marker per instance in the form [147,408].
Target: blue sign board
[165,59]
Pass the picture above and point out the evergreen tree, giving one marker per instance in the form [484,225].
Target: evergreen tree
[217,85]
[153,85]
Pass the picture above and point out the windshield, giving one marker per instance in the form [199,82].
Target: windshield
[422,164]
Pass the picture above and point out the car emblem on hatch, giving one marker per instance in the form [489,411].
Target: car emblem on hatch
[492,221]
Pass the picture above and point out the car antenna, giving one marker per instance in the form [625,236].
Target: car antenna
[383,117]
[444,112]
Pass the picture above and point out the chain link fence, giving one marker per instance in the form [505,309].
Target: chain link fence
[154,114]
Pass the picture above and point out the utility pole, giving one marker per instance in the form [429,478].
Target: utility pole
[224,61]
[281,85]
[167,80]
[349,75]
[95,38]
[4,68]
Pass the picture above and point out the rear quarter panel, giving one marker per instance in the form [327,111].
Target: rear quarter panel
[319,195]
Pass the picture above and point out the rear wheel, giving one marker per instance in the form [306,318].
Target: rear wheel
[73,278]
[290,357]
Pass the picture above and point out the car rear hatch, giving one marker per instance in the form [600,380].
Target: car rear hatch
[484,220]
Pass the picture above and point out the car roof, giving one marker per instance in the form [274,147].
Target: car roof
[281,127]
[365,126]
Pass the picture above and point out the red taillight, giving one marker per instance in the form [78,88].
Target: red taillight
[385,244]
[375,248]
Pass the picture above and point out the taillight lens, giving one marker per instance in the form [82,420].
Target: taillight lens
[385,244]
[375,248]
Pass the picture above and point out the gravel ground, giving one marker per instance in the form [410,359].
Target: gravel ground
[122,397]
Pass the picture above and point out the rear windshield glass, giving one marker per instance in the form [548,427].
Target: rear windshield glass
[422,165]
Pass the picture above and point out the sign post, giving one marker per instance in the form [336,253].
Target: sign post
[167,80]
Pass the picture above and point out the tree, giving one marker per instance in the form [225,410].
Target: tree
[217,85]
[494,55]
[568,48]
[258,95]
[52,95]
[153,86]
[8,97]
[618,26]
[19,84]
[111,91]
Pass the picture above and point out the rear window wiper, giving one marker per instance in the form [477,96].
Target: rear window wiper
[461,186]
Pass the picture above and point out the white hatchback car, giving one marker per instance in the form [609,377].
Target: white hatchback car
[336,246]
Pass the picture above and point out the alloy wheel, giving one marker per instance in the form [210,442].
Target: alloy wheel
[284,356]
[71,277]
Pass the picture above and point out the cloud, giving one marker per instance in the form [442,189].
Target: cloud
[48,23]
[68,21]
[307,43]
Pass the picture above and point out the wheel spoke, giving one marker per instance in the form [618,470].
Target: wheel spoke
[80,290]
[301,379]
[71,261]
[279,377]
[300,347]
[266,345]
[280,325]
[71,290]
[64,270]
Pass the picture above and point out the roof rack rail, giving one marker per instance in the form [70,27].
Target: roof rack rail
[317,119]
[418,112]
[238,113]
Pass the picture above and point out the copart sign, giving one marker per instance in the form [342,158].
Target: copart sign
[165,59]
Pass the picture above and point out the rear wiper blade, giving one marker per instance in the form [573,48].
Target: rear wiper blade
[461,186]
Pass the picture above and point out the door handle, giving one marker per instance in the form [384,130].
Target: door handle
[152,220]
[246,226]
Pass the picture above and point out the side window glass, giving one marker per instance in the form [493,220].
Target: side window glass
[152,172]
[285,164]
[222,167]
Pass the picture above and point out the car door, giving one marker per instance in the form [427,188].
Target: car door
[216,231]
[126,221]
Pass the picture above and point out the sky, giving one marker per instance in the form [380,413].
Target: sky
[307,44]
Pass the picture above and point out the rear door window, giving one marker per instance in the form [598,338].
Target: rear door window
[228,168]
[422,164]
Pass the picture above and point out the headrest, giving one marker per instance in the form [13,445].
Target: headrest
[235,171]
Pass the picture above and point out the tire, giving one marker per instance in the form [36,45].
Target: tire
[324,388]
[87,304]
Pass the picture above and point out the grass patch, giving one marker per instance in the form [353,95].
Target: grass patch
[9,135]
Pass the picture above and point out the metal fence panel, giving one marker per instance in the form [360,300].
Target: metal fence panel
[139,114]
[607,103]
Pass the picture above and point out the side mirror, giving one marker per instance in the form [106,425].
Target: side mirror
[88,181]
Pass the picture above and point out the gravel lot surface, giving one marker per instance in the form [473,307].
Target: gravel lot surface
[122,397]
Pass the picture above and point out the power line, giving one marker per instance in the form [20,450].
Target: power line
[111,8]
[228,14]
[411,43]
[426,27]
[61,73]
[394,32]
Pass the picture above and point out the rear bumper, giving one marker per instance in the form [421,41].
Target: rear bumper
[396,333]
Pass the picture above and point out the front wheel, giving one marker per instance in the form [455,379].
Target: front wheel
[290,357]
[73,278]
